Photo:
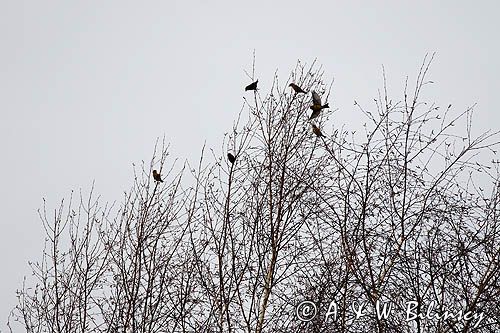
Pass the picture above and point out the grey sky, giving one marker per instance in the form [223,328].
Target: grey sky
[86,87]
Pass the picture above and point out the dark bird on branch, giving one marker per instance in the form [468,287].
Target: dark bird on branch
[157,176]
[296,88]
[317,131]
[231,158]
[317,107]
[252,86]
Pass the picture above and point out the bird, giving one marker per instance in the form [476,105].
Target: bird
[317,131]
[252,86]
[231,158]
[157,176]
[296,88]
[317,107]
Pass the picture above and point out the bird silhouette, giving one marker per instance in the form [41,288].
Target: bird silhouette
[317,107]
[296,88]
[317,131]
[157,176]
[231,158]
[252,86]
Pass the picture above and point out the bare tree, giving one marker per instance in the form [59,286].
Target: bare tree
[304,230]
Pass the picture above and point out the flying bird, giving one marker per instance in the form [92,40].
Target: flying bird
[296,88]
[317,131]
[231,158]
[157,176]
[252,86]
[317,107]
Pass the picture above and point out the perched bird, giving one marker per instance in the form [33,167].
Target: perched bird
[296,88]
[252,86]
[317,131]
[231,158]
[157,176]
[317,107]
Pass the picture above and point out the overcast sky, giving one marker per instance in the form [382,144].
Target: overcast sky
[86,87]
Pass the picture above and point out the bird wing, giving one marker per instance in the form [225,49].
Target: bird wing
[316,98]
[252,86]
[314,114]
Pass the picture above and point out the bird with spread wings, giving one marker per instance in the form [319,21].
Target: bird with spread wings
[317,106]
